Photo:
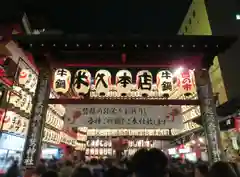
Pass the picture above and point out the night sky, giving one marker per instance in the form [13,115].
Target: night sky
[115,17]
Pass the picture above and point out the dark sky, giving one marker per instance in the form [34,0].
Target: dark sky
[116,16]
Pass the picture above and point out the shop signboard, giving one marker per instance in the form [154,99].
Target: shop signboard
[124,116]
[15,123]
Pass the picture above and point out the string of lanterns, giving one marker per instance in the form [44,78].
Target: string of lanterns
[54,120]
[51,136]
[28,80]
[80,146]
[20,99]
[66,139]
[188,126]
[128,132]
[14,123]
[124,86]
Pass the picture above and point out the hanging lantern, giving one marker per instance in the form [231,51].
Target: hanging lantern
[164,83]
[24,76]
[144,82]
[82,82]
[15,96]
[187,82]
[61,81]
[33,83]
[102,82]
[123,82]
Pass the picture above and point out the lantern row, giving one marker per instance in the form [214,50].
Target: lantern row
[188,126]
[66,139]
[80,146]
[58,108]
[81,137]
[51,136]
[99,151]
[83,129]
[20,99]
[28,80]
[128,132]
[54,137]
[191,114]
[15,123]
[54,120]
[124,82]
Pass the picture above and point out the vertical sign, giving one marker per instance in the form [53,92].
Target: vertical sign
[209,115]
[32,148]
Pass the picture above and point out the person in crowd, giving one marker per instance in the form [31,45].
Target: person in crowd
[222,169]
[41,167]
[13,170]
[81,172]
[96,168]
[201,170]
[50,173]
[67,169]
[235,166]
[149,163]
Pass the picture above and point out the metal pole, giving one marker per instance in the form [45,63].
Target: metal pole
[209,116]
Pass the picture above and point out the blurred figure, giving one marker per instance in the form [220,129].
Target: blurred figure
[67,169]
[50,173]
[201,170]
[95,168]
[149,163]
[236,168]
[222,169]
[13,170]
[81,172]
[41,167]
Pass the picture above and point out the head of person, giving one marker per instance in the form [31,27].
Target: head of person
[81,172]
[68,163]
[94,161]
[222,169]
[149,163]
[201,170]
[50,173]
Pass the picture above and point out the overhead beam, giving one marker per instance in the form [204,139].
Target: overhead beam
[124,101]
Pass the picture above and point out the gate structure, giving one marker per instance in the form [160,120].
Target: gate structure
[134,53]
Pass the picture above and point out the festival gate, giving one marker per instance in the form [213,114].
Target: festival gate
[123,83]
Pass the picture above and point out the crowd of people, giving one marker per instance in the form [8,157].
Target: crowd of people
[144,163]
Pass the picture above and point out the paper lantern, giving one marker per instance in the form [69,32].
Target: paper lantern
[61,81]
[186,82]
[144,82]
[33,83]
[82,82]
[102,82]
[164,83]
[23,101]
[123,82]
[14,96]
[24,76]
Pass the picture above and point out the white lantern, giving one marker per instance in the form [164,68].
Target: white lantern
[144,82]
[164,83]
[24,76]
[15,96]
[123,82]
[82,82]
[33,83]
[186,82]
[61,81]
[102,82]
[23,102]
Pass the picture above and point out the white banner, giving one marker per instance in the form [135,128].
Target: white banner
[124,116]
